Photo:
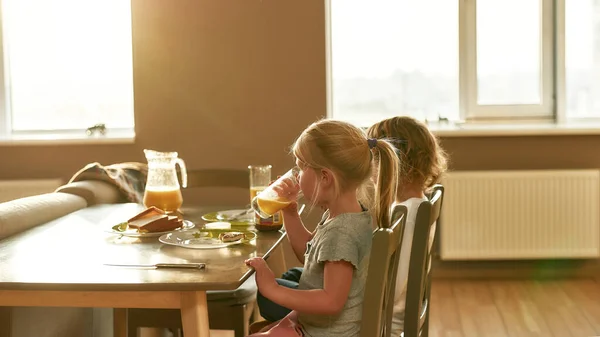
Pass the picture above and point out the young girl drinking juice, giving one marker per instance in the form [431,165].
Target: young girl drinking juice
[423,163]
[336,161]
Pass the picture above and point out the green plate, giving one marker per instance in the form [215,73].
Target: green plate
[214,233]
[248,220]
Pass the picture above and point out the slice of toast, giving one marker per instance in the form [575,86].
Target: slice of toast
[147,213]
[156,223]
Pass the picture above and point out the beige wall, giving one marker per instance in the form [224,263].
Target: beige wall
[228,83]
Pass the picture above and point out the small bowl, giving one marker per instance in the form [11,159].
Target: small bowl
[268,228]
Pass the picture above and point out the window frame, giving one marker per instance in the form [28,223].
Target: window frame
[470,108]
[552,69]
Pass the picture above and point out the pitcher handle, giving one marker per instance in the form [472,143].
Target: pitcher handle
[183,170]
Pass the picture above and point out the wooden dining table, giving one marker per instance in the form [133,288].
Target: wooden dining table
[63,263]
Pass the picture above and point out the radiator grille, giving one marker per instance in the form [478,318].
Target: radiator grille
[521,215]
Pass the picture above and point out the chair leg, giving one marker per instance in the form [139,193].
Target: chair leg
[132,330]
[255,313]
[425,328]
[240,320]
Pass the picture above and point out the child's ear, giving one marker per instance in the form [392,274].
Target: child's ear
[327,177]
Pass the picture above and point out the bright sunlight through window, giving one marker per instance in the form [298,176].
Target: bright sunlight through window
[473,60]
[582,39]
[391,57]
[68,64]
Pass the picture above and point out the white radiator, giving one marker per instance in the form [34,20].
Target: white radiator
[15,189]
[520,215]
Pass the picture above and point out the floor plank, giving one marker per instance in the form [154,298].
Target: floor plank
[444,319]
[532,316]
[520,316]
[586,295]
[548,307]
[479,315]
[515,308]
[571,311]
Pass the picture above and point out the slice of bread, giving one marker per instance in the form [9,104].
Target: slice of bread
[156,223]
[147,213]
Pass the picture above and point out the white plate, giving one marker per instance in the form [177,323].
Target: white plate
[117,229]
[201,239]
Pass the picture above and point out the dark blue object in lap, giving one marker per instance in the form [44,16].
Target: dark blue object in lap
[272,311]
[293,274]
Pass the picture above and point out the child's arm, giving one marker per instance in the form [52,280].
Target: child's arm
[327,301]
[298,235]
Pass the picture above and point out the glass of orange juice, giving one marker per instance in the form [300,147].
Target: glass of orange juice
[266,203]
[260,178]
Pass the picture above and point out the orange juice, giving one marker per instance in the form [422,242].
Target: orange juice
[167,200]
[272,206]
[275,219]
[254,190]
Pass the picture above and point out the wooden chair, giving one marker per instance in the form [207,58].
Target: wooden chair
[416,317]
[381,280]
[228,310]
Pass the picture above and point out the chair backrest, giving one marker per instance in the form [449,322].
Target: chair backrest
[218,178]
[416,316]
[381,276]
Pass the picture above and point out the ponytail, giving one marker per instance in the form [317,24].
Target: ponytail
[387,179]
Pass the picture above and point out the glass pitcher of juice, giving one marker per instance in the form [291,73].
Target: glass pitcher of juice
[162,186]
[268,202]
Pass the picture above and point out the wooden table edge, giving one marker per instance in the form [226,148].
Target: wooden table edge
[193,304]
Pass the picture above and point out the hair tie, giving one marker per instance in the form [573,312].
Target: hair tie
[372,143]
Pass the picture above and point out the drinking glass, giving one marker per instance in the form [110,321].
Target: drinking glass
[268,201]
[260,178]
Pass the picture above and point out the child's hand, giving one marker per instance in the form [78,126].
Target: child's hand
[265,279]
[291,210]
[287,188]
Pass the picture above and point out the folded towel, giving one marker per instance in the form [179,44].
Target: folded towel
[129,178]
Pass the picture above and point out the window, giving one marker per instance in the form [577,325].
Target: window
[508,62]
[582,58]
[464,60]
[67,66]
[391,56]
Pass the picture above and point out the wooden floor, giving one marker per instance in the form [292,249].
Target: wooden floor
[511,308]
[566,308]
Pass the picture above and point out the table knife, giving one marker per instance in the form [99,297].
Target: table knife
[162,265]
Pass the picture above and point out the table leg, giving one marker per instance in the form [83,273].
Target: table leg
[120,322]
[6,321]
[194,314]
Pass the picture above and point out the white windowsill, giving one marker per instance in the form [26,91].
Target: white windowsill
[525,129]
[68,139]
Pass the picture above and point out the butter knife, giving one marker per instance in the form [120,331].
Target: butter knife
[162,265]
[234,216]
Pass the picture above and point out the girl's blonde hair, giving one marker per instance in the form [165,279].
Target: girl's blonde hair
[423,159]
[345,150]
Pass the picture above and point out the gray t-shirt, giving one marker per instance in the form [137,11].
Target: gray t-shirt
[346,237]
